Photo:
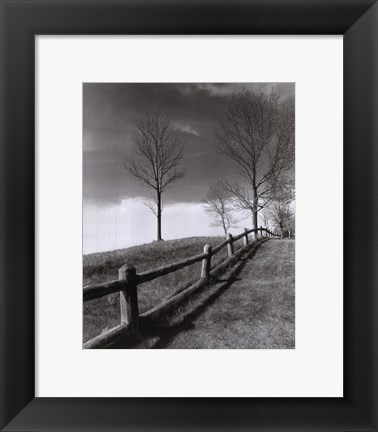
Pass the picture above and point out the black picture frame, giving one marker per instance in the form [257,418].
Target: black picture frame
[20,22]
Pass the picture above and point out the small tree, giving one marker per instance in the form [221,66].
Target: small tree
[159,149]
[219,205]
[281,211]
[265,218]
[281,216]
[291,226]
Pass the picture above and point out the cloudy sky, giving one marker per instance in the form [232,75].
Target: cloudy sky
[114,215]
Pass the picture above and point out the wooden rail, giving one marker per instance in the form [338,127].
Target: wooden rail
[161,271]
[128,281]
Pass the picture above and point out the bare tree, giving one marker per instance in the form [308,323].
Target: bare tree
[218,204]
[257,134]
[291,226]
[281,211]
[265,217]
[159,149]
[282,216]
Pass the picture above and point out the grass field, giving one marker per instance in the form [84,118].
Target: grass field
[251,306]
[103,314]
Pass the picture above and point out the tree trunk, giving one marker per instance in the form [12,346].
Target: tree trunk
[254,219]
[254,212]
[158,216]
[282,233]
[224,225]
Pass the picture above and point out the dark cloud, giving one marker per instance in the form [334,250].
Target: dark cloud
[111,113]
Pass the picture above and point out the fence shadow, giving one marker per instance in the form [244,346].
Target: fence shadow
[167,331]
[128,280]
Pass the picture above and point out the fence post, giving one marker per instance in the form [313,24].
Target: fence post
[230,245]
[128,298]
[261,229]
[206,262]
[245,237]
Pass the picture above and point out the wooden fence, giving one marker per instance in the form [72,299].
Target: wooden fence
[129,279]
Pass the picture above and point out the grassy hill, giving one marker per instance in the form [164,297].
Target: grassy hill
[252,306]
[103,314]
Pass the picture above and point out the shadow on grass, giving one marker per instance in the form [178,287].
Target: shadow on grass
[167,331]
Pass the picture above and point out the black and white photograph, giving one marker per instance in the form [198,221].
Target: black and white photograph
[189,215]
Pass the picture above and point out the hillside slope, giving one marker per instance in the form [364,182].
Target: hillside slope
[103,314]
[252,307]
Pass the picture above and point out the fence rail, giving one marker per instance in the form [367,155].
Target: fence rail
[161,271]
[128,280]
